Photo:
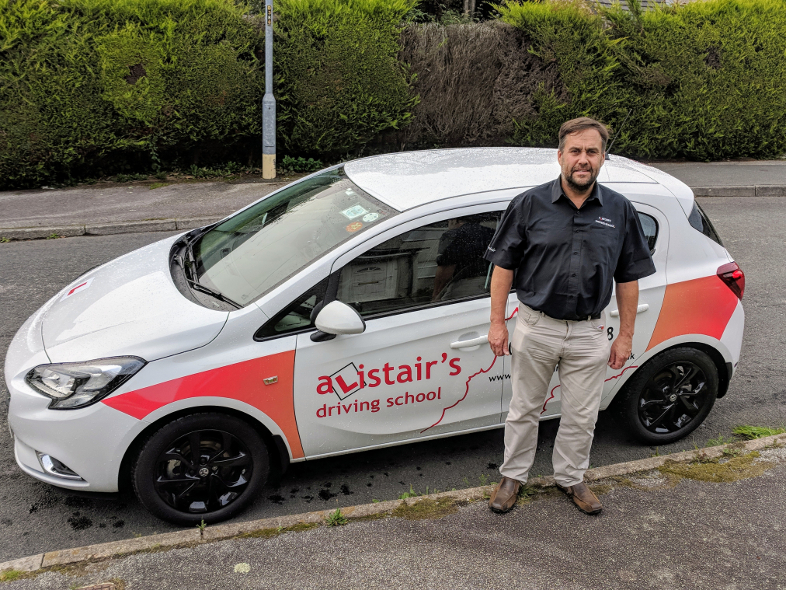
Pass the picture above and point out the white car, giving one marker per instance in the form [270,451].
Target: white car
[346,311]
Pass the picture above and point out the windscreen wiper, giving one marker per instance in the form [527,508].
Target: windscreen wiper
[208,291]
[189,273]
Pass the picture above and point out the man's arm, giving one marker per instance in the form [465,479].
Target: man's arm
[501,282]
[627,303]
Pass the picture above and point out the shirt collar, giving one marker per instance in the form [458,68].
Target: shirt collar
[556,192]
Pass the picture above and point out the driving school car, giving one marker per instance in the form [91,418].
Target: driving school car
[347,311]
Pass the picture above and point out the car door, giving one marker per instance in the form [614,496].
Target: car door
[422,367]
[651,291]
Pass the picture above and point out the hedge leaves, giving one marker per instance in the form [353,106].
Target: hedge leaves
[95,86]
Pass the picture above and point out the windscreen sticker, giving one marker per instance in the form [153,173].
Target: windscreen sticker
[78,288]
[353,212]
[353,227]
[369,217]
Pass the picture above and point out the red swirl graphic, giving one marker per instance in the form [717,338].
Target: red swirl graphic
[466,385]
[471,377]
[553,389]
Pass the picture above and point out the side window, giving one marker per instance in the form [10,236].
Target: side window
[650,227]
[295,317]
[433,264]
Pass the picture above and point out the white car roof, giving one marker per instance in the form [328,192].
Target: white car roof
[405,180]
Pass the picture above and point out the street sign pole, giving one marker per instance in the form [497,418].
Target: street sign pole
[268,102]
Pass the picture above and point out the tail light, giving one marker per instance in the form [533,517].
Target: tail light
[732,275]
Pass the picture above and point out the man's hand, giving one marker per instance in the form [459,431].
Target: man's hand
[627,301]
[498,339]
[620,351]
[501,281]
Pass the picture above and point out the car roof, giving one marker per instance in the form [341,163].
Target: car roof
[405,180]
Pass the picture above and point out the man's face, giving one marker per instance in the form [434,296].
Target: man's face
[581,158]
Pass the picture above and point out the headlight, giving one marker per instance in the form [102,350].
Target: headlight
[76,385]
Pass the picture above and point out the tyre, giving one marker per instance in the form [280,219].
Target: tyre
[669,396]
[200,467]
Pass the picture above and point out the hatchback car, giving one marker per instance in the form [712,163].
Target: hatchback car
[347,311]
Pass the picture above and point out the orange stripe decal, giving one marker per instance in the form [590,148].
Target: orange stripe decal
[700,306]
[242,381]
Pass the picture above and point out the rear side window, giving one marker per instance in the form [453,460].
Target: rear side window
[700,222]
[650,227]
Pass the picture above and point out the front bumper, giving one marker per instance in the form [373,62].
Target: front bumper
[90,441]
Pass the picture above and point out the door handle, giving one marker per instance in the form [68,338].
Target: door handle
[467,343]
[639,309]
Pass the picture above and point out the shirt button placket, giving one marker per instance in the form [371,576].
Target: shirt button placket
[573,283]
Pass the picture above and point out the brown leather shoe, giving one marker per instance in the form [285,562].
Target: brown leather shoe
[504,496]
[583,497]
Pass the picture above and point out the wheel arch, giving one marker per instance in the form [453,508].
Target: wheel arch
[724,367]
[713,349]
[279,458]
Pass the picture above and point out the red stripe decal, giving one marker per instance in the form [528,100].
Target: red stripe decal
[701,306]
[242,381]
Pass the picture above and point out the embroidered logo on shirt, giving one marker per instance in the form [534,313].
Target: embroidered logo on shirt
[605,221]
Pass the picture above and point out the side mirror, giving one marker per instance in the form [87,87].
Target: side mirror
[338,318]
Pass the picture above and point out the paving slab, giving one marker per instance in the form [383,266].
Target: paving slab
[728,174]
[654,532]
[652,474]
[111,203]
[108,208]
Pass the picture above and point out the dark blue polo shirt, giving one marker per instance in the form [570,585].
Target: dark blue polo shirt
[565,258]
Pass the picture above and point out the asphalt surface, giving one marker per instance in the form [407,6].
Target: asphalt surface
[653,533]
[37,517]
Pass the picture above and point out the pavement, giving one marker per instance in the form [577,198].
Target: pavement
[710,518]
[182,203]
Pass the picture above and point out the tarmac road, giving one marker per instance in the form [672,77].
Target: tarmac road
[36,517]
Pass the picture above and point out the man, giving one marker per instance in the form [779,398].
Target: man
[563,242]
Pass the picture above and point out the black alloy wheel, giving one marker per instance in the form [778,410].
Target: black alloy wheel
[200,467]
[670,395]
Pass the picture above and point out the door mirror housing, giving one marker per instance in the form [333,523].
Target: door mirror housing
[339,318]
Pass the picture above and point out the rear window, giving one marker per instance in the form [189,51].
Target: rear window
[700,222]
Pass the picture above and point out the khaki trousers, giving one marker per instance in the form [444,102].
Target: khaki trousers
[538,344]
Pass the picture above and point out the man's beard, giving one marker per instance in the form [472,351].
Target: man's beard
[581,186]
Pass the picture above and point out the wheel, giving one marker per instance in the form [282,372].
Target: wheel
[669,396]
[200,467]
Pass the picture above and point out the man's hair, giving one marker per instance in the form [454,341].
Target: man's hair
[580,124]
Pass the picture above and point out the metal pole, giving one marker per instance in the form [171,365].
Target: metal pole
[268,102]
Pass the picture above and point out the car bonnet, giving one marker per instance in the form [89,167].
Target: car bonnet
[129,306]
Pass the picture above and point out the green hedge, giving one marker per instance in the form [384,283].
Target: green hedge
[86,83]
[704,80]
[95,86]
[339,80]
[90,86]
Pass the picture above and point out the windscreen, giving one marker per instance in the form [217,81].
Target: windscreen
[262,246]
